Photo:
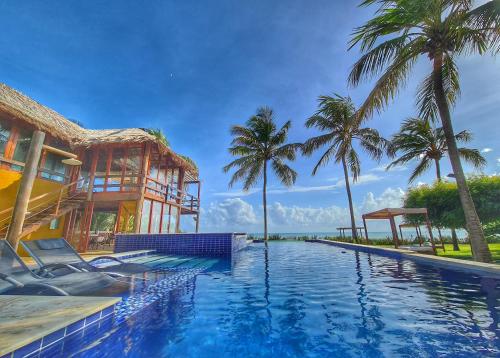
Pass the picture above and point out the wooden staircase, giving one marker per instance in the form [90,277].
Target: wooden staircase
[43,209]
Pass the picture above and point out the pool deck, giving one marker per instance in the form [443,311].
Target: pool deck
[28,319]
[28,323]
[480,268]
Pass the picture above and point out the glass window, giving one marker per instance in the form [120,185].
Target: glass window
[21,149]
[155,219]
[173,219]
[166,218]
[4,137]
[146,210]
[134,160]
[100,170]
[53,168]
[115,169]
[54,224]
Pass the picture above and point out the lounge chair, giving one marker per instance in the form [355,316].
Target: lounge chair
[17,279]
[57,256]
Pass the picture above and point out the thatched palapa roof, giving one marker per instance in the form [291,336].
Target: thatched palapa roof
[20,106]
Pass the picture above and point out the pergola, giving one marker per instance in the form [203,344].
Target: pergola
[410,225]
[391,213]
[343,229]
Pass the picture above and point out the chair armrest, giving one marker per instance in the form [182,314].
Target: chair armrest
[106,258]
[11,280]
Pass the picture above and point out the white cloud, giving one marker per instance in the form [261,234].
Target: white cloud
[486,150]
[235,214]
[232,214]
[390,198]
[396,168]
[362,179]
[239,193]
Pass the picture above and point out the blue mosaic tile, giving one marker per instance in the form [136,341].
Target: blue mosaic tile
[8,355]
[93,318]
[55,350]
[108,310]
[28,349]
[53,337]
[75,326]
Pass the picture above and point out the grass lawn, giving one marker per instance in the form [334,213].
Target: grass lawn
[465,252]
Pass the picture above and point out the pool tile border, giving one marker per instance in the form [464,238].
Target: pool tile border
[52,339]
[479,268]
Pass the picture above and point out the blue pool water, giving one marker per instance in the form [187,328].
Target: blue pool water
[299,299]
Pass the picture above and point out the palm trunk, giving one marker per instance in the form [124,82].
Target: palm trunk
[264,201]
[349,197]
[454,239]
[479,245]
[438,170]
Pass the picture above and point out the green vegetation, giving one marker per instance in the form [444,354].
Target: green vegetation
[257,144]
[336,118]
[438,31]
[189,160]
[466,254]
[443,203]
[160,136]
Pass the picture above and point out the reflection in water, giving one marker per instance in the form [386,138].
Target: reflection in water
[312,300]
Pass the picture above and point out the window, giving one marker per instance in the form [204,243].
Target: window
[21,149]
[4,137]
[54,224]
[156,217]
[115,169]
[173,219]
[146,210]
[53,168]
[165,220]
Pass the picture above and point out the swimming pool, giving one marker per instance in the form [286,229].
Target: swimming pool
[299,299]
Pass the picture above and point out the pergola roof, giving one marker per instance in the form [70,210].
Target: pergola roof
[388,213]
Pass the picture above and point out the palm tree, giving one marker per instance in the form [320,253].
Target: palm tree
[403,31]
[337,118]
[256,144]
[419,140]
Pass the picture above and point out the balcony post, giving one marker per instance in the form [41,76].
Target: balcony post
[25,188]
[142,188]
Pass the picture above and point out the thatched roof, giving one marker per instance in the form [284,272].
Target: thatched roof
[20,106]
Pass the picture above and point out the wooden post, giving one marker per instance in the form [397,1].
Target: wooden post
[401,232]
[142,188]
[366,230]
[428,223]
[394,231]
[25,187]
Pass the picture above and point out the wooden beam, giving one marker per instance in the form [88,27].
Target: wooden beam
[25,188]
[394,231]
[144,173]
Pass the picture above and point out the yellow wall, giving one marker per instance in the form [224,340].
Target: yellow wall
[9,184]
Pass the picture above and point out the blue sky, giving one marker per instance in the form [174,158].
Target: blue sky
[195,68]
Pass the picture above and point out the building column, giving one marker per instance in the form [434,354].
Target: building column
[142,188]
[25,187]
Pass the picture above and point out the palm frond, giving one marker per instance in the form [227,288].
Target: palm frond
[472,156]
[286,175]
[424,164]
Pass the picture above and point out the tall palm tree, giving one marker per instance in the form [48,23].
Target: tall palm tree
[419,140]
[256,144]
[337,118]
[403,31]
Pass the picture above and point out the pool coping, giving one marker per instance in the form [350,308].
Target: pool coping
[480,268]
[43,325]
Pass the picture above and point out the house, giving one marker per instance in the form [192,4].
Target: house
[57,178]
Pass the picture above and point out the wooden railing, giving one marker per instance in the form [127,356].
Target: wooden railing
[43,203]
[117,182]
[172,194]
